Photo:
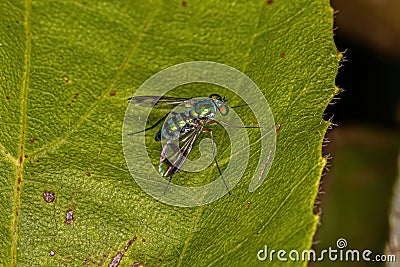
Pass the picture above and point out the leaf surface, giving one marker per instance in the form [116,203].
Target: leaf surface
[67,69]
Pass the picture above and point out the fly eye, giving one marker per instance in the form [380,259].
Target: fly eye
[224,110]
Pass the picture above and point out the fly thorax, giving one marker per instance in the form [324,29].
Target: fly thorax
[203,109]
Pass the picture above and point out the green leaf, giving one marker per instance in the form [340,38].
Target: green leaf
[67,70]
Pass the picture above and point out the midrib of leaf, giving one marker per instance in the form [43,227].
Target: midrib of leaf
[20,161]
[25,86]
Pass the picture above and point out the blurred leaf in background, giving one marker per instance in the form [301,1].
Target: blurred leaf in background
[364,147]
[393,246]
[358,190]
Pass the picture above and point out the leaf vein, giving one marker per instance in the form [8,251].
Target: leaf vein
[75,126]
[7,154]
[19,170]
[270,218]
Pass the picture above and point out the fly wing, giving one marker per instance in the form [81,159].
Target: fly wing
[179,155]
[160,101]
[163,102]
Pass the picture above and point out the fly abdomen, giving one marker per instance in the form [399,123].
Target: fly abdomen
[173,127]
[178,123]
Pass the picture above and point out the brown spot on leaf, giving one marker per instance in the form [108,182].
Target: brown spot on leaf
[66,80]
[87,174]
[69,216]
[116,259]
[278,127]
[49,196]
[143,240]
[113,93]
[129,244]
[248,205]
[33,140]
[105,256]
[8,97]
[269,2]
[76,96]
[184,4]
[283,55]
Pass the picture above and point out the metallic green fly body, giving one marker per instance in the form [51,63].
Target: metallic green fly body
[203,110]
[184,127]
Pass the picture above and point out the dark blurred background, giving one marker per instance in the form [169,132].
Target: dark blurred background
[356,192]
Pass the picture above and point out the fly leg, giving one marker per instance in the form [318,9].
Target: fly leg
[215,157]
[160,169]
[169,182]
[230,125]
